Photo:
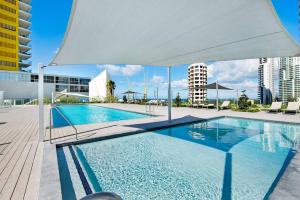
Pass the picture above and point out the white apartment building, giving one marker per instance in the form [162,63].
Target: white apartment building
[266,90]
[197,77]
[289,78]
[21,87]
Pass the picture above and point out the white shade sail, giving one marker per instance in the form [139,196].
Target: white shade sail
[172,32]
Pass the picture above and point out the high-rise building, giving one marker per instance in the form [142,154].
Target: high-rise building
[266,91]
[14,34]
[289,78]
[197,77]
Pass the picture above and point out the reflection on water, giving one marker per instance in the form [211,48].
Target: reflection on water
[224,133]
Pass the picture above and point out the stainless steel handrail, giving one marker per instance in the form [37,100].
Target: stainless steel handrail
[50,125]
[65,118]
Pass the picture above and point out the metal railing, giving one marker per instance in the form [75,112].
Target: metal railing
[65,118]
[149,108]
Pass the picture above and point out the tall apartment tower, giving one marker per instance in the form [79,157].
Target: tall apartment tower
[197,77]
[289,78]
[14,34]
[266,91]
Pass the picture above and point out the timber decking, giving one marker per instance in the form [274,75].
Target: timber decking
[20,153]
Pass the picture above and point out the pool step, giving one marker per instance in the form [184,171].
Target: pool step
[72,187]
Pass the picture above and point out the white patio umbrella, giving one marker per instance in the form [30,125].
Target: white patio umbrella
[171,32]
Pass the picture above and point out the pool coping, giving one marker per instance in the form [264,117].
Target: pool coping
[275,188]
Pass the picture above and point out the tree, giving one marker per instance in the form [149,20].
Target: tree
[178,100]
[125,99]
[243,102]
[110,86]
[291,99]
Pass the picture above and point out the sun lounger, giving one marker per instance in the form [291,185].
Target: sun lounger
[275,107]
[211,105]
[225,105]
[195,105]
[201,105]
[292,107]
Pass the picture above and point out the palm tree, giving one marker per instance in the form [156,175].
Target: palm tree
[110,86]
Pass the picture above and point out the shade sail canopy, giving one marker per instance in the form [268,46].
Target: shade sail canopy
[214,86]
[211,86]
[172,32]
[130,92]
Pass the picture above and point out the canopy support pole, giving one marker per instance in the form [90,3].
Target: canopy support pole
[41,101]
[217,87]
[169,95]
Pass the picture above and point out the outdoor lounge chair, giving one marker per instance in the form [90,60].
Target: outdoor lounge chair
[201,105]
[225,105]
[292,107]
[195,105]
[210,105]
[275,107]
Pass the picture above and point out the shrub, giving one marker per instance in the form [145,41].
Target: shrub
[177,100]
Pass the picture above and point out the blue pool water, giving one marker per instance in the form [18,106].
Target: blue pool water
[225,158]
[89,114]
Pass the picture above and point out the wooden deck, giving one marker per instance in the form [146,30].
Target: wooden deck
[20,153]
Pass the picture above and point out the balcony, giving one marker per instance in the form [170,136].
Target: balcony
[24,40]
[24,48]
[24,6]
[24,24]
[24,32]
[24,55]
[24,63]
[24,15]
[25,1]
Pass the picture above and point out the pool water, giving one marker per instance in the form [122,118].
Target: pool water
[89,114]
[225,158]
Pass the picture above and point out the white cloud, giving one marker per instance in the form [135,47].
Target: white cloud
[177,84]
[233,71]
[157,79]
[130,70]
[127,70]
[180,84]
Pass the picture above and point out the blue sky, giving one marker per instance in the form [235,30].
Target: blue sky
[49,22]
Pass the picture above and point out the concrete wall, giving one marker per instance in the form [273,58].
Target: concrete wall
[24,90]
[97,86]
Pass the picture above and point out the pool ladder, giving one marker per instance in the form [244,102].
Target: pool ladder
[65,118]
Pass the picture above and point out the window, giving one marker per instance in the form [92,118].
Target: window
[64,80]
[8,18]
[14,2]
[8,9]
[8,54]
[7,36]
[84,81]
[84,89]
[74,88]
[8,63]
[59,88]
[34,78]
[49,79]
[74,80]
[7,45]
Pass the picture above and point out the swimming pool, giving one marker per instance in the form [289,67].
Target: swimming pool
[89,114]
[224,158]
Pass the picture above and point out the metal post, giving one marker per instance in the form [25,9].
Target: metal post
[169,95]
[217,87]
[157,96]
[41,101]
[237,98]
